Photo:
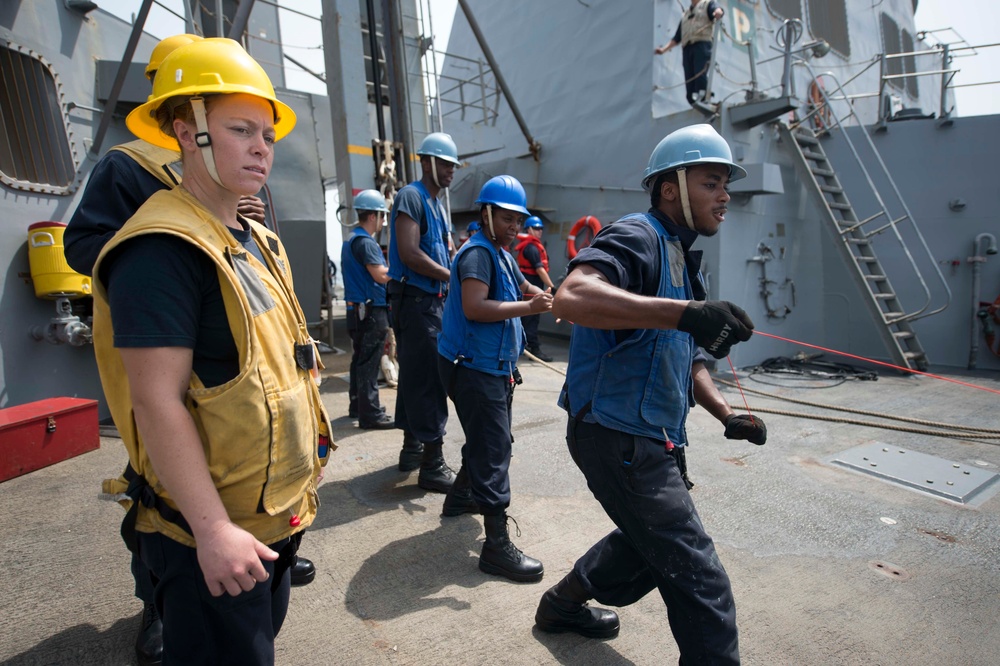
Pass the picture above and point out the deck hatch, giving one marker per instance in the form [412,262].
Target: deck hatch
[958,482]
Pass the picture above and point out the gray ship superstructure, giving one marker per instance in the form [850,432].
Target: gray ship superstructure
[857,227]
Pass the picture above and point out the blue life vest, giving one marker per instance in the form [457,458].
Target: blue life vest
[490,347]
[641,385]
[433,242]
[359,286]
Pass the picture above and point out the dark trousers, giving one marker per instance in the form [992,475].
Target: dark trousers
[368,338]
[143,580]
[421,402]
[530,322]
[201,629]
[483,406]
[660,542]
[696,57]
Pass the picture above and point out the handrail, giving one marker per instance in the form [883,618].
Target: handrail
[485,89]
[921,313]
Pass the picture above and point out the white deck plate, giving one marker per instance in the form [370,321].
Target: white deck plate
[958,482]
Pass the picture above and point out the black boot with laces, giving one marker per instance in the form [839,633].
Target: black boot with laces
[501,557]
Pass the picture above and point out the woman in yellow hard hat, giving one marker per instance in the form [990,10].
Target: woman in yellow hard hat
[208,367]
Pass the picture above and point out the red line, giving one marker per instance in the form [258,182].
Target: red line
[868,360]
[737,379]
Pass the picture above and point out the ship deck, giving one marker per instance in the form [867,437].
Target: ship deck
[829,565]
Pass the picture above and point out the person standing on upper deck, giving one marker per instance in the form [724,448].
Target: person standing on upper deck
[419,270]
[694,34]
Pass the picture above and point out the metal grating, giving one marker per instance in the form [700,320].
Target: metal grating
[958,482]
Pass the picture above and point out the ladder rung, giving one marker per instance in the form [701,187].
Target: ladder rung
[818,157]
[858,241]
[884,297]
[903,335]
[823,172]
[806,139]
[874,277]
[839,206]
[833,189]
[871,260]
[914,354]
[891,315]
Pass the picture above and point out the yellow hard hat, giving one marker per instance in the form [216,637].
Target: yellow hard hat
[167,46]
[205,67]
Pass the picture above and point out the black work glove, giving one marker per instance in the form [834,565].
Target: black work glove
[715,325]
[744,426]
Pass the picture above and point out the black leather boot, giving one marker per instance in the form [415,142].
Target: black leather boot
[411,454]
[500,557]
[434,471]
[149,642]
[564,608]
[302,571]
[459,498]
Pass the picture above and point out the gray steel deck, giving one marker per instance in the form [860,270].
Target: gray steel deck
[828,566]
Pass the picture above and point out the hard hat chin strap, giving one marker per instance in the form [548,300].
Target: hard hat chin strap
[434,172]
[489,221]
[685,201]
[203,140]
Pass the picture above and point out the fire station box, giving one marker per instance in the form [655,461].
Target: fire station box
[43,433]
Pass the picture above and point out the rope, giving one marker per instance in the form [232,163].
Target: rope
[872,424]
[882,415]
[882,363]
[969,432]
[541,362]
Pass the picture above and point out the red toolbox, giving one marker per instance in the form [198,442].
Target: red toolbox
[43,433]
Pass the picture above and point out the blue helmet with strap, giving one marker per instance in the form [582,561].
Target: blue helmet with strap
[440,145]
[504,192]
[370,200]
[688,146]
[473,226]
[534,222]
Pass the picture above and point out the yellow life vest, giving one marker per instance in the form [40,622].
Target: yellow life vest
[260,429]
[157,161]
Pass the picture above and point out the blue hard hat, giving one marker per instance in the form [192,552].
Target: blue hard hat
[370,200]
[696,144]
[440,145]
[504,192]
[534,222]
[473,226]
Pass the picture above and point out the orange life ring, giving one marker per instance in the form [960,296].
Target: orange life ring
[587,221]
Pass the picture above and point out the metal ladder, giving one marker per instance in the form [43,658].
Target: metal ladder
[857,247]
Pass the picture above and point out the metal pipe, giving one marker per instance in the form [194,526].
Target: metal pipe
[754,87]
[945,62]
[240,20]
[977,260]
[220,24]
[533,146]
[398,92]
[376,69]
[116,88]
